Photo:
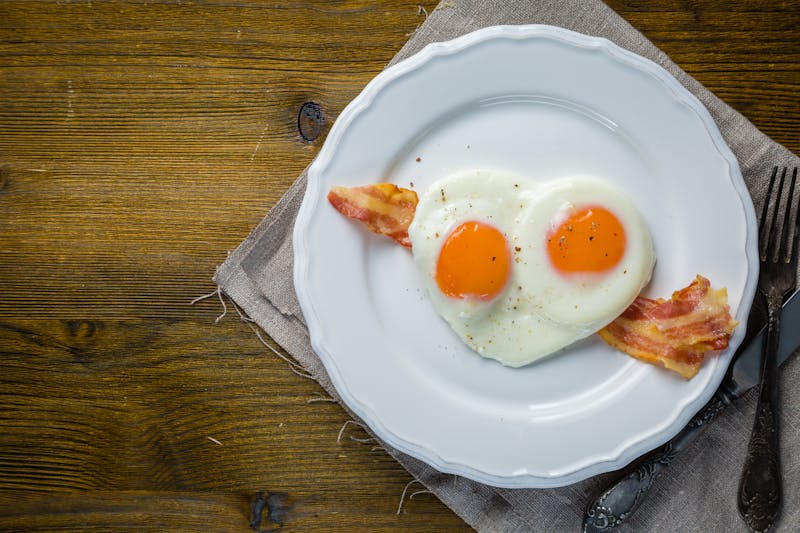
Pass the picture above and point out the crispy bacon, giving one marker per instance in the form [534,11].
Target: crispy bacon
[385,208]
[675,333]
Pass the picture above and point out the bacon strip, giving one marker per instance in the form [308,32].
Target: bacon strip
[385,208]
[675,333]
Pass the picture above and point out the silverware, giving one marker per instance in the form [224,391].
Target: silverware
[760,487]
[622,498]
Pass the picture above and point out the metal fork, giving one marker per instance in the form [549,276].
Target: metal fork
[760,491]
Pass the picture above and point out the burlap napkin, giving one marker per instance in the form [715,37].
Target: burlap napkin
[698,491]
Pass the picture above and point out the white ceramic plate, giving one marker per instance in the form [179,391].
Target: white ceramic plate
[544,103]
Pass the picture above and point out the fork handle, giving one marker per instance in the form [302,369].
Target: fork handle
[760,491]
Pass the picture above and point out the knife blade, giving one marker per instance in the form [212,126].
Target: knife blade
[746,368]
[621,499]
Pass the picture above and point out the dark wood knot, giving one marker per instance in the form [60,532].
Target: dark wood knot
[276,505]
[82,329]
[310,121]
[82,339]
[5,176]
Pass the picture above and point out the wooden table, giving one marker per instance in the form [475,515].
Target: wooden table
[139,143]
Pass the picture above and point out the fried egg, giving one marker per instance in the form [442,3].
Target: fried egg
[520,269]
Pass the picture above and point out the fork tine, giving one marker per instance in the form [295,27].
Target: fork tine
[762,223]
[784,244]
[794,244]
[773,242]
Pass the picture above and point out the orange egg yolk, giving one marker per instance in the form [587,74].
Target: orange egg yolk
[474,262]
[591,240]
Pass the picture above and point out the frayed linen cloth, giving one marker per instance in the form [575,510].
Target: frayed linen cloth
[698,491]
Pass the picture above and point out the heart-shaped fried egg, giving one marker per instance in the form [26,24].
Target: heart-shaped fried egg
[519,269]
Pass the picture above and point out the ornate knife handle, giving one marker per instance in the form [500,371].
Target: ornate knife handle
[623,497]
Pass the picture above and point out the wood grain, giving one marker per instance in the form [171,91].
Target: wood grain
[141,141]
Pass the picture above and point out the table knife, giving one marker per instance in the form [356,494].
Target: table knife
[621,499]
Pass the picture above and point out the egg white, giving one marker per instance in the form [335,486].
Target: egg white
[589,301]
[539,311]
